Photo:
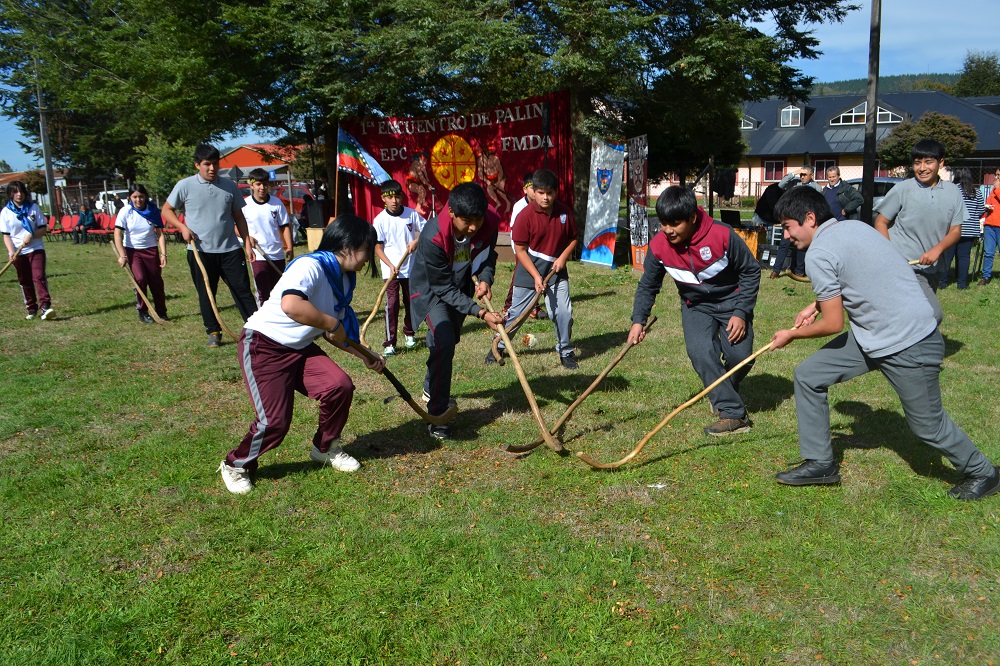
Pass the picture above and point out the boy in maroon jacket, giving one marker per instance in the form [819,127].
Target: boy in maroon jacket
[717,278]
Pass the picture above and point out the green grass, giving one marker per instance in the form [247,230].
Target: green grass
[120,544]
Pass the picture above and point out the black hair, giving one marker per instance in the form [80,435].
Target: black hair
[528,179]
[544,179]
[391,187]
[468,200]
[963,178]
[259,175]
[206,151]
[138,187]
[797,202]
[924,148]
[675,204]
[348,233]
[18,186]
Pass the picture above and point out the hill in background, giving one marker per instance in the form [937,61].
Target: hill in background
[886,84]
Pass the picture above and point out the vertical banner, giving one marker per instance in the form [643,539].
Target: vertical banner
[638,218]
[607,161]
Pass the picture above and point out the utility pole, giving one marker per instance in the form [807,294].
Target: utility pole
[871,118]
[50,183]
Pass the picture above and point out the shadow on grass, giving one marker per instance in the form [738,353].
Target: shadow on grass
[547,389]
[581,298]
[765,392]
[884,428]
[951,346]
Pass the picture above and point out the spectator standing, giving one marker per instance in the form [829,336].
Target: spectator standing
[845,201]
[975,205]
[801,176]
[991,230]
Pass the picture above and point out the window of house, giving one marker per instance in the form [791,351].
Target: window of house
[774,170]
[886,117]
[748,123]
[821,166]
[856,116]
[791,116]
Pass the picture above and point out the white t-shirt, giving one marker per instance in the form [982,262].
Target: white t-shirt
[519,205]
[395,233]
[304,275]
[11,226]
[264,222]
[138,232]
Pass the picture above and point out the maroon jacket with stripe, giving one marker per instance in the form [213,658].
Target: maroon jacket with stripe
[433,278]
[714,266]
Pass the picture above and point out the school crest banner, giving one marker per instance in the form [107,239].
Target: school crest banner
[606,165]
[638,218]
[493,147]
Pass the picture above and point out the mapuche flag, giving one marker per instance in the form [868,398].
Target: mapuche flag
[354,159]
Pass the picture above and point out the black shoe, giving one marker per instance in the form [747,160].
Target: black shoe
[490,358]
[214,339]
[977,487]
[983,282]
[569,362]
[439,431]
[811,473]
[145,318]
[164,317]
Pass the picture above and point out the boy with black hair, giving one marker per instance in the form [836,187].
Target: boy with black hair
[717,278]
[544,240]
[453,248]
[397,229]
[922,217]
[853,268]
[268,224]
[213,213]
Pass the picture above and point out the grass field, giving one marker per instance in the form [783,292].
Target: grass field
[120,544]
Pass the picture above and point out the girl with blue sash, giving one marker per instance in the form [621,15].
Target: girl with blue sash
[23,226]
[140,242]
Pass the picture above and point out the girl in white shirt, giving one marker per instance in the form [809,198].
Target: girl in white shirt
[23,225]
[140,241]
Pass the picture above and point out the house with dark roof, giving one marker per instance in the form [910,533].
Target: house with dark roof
[829,131]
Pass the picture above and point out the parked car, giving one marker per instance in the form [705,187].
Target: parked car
[882,186]
[299,195]
[105,200]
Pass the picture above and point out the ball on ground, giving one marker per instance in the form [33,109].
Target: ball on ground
[529,340]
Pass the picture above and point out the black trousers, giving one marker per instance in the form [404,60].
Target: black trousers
[232,268]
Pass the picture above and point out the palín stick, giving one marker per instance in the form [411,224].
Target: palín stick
[550,441]
[583,396]
[798,278]
[12,260]
[378,301]
[208,290]
[138,290]
[497,354]
[442,419]
[638,447]
[270,262]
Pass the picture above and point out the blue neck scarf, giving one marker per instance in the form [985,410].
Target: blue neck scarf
[331,268]
[150,213]
[22,215]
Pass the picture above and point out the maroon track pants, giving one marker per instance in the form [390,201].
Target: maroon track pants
[31,276]
[145,265]
[272,373]
[265,277]
[392,310]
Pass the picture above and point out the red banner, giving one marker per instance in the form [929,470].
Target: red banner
[494,147]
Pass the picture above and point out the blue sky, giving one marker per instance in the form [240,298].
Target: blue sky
[918,37]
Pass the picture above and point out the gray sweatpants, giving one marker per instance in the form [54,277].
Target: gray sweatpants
[559,307]
[929,285]
[712,354]
[912,373]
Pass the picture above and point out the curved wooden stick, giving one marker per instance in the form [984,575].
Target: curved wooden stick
[550,441]
[638,447]
[270,262]
[208,290]
[442,419]
[798,278]
[378,301]
[583,396]
[11,262]
[138,290]
[497,354]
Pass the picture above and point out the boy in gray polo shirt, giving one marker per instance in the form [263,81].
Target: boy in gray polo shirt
[893,330]
[922,217]
[212,214]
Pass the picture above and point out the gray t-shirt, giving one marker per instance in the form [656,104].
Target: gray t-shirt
[921,216]
[208,210]
[885,304]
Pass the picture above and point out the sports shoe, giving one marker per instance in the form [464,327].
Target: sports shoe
[411,342]
[388,351]
[439,431]
[724,427]
[335,458]
[237,479]
[983,282]
[427,398]
[977,487]
[48,312]
[145,318]
[214,339]
[811,473]
[490,358]
[569,362]
[30,315]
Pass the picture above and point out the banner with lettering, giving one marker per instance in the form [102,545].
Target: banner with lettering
[494,147]
[638,218]
[606,164]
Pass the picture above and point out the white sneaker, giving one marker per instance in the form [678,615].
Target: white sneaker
[47,312]
[388,351]
[237,479]
[427,398]
[29,316]
[411,342]
[335,458]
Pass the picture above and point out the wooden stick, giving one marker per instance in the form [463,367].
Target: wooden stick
[208,290]
[583,396]
[378,301]
[442,419]
[138,290]
[11,262]
[550,441]
[798,278]
[638,447]
[270,262]
[497,354]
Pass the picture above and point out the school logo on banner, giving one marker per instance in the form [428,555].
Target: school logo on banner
[706,253]
[604,178]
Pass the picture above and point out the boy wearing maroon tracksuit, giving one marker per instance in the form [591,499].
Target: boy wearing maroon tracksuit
[717,278]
